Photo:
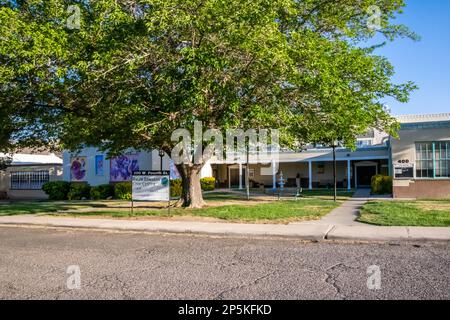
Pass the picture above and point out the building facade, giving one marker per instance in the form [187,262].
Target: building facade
[27,173]
[418,160]
[311,169]
[95,167]
[421,157]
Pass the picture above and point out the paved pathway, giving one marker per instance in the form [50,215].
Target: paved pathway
[346,214]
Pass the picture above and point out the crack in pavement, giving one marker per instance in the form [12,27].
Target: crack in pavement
[220,296]
[331,278]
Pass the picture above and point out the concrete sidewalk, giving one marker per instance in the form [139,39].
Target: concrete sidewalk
[346,214]
[302,231]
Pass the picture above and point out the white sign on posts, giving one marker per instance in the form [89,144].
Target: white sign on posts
[151,185]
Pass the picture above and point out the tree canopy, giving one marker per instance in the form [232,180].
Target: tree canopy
[136,70]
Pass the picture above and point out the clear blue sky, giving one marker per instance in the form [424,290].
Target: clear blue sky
[425,62]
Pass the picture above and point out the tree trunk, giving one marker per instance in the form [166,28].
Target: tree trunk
[191,195]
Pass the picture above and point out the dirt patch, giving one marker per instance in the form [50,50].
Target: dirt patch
[144,218]
[189,218]
[124,206]
[433,206]
[220,203]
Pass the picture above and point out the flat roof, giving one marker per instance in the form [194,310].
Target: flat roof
[21,159]
[420,118]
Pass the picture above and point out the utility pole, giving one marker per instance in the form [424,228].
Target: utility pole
[247,171]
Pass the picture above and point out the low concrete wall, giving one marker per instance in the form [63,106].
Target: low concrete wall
[27,194]
[55,172]
[423,189]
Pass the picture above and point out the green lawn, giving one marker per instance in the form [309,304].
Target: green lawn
[426,213]
[33,207]
[342,194]
[221,207]
[276,211]
[326,194]
[223,196]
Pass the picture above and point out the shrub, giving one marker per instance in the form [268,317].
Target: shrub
[381,184]
[175,188]
[122,190]
[103,191]
[387,185]
[208,184]
[56,190]
[79,191]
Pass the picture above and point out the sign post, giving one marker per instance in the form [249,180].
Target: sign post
[151,185]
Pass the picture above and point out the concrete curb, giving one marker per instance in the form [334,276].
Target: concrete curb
[374,233]
[311,232]
[305,232]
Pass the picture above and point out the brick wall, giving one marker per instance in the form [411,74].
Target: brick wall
[424,189]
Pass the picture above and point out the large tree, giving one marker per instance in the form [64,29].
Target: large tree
[136,70]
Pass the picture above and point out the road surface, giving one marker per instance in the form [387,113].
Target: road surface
[37,263]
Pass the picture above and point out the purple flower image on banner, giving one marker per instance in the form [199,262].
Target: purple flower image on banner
[78,169]
[122,167]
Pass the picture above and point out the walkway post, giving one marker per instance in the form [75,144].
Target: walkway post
[334,172]
[240,175]
[309,175]
[349,186]
[274,176]
[247,171]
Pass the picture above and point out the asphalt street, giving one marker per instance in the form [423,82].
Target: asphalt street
[37,263]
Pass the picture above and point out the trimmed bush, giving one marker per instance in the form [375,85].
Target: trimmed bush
[122,190]
[56,190]
[208,184]
[102,192]
[79,191]
[381,184]
[175,188]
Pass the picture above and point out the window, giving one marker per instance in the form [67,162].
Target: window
[433,159]
[442,159]
[29,180]
[363,143]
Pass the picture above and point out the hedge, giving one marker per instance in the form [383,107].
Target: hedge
[56,190]
[62,190]
[381,184]
[122,190]
[101,192]
[79,191]
[208,184]
[175,188]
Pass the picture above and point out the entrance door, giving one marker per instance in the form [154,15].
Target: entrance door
[364,175]
[234,177]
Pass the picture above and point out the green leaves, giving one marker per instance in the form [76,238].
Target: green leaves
[137,70]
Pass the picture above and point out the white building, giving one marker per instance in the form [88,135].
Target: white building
[415,172]
[27,173]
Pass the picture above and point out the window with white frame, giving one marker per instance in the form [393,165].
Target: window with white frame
[361,143]
[29,180]
[433,159]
